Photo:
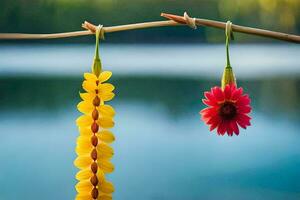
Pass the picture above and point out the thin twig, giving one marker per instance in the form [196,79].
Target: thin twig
[237,28]
[175,20]
[127,27]
[90,30]
[23,36]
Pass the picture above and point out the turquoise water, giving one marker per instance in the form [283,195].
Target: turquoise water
[162,151]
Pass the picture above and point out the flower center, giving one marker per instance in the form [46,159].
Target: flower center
[227,110]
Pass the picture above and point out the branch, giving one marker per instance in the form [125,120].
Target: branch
[237,28]
[175,20]
[91,30]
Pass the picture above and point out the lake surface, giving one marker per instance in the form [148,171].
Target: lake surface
[248,60]
[163,150]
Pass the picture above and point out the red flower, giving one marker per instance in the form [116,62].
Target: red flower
[226,110]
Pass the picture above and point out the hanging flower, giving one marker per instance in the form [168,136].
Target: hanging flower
[228,107]
[93,150]
[226,110]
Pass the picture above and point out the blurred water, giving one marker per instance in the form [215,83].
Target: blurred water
[163,150]
[139,59]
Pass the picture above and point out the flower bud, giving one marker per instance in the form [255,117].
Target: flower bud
[97,66]
[228,77]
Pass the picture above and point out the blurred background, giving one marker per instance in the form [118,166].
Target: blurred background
[46,16]
[163,150]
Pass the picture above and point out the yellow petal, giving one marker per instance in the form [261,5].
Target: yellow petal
[105,155]
[105,165]
[84,142]
[106,136]
[104,76]
[84,120]
[89,86]
[85,196]
[83,162]
[85,131]
[100,176]
[87,96]
[107,187]
[106,122]
[103,196]
[106,110]
[105,88]
[85,107]
[84,145]
[84,187]
[80,151]
[107,96]
[84,174]
[105,151]
[90,77]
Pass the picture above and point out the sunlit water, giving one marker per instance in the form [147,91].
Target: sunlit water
[162,151]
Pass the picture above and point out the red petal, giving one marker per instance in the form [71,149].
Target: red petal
[209,102]
[222,128]
[208,112]
[243,100]
[236,94]
[229,129]
[243,120]
[234,127]
[213,119]
[210,96]
[218,93]
[209,119]
[244,109]
[241,124]
[215,124]
[233,87]
[227,92]
[205,110]
[244,117]
[205,119]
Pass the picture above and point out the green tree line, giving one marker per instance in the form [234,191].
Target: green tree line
[47,16]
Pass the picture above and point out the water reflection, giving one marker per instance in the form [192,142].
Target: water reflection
[162,150]
[272,96]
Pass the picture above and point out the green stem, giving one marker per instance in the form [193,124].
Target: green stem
[97,62]
[227,51]
[97,57]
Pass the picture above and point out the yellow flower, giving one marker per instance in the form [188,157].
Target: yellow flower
[93,149]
